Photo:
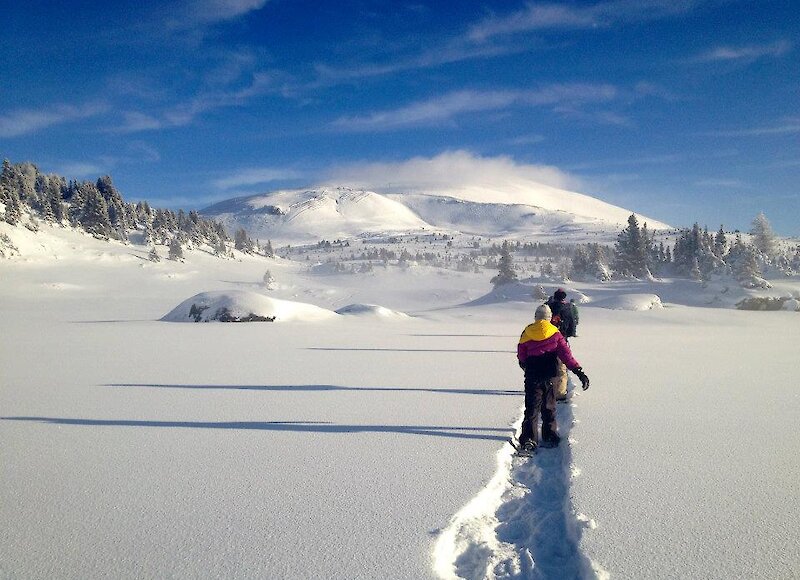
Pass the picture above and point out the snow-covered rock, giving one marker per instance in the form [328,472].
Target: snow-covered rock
[636,302]
[370,310]
[242,306]
[792,305]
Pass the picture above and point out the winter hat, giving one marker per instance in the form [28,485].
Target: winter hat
[560,294]
[543,313]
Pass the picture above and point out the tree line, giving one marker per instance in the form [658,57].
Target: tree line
[98,208]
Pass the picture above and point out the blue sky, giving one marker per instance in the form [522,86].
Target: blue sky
[682,110]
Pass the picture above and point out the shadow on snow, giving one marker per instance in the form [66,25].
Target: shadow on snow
[323,388]
[485,433]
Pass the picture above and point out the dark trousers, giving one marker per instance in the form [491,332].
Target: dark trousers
[539,397]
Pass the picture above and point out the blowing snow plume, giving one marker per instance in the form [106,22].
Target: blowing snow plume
[464,176]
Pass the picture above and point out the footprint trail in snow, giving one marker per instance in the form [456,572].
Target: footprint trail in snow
[522,525]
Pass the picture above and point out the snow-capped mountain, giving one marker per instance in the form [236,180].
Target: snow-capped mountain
[314,214]
[305,215]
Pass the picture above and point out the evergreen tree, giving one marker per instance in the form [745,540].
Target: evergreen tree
[631,252]
[269,280]
[13,208]
[505,273]
[764,239]
[720,243]
[94,218]
[220,248]
[175,249]
[242,241]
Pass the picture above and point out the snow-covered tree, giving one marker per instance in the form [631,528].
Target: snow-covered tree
[242,241]
[505,267]
[764,239]
[632,251]
[269,280]
[94,217]
[720,243]
[590,261]
[175,249]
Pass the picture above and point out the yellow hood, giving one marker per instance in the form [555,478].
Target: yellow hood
[538,331]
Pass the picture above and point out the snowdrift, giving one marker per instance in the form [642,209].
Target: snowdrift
[370,310]
[635,302]
[241,306]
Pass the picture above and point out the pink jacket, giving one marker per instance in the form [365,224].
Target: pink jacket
[541,338]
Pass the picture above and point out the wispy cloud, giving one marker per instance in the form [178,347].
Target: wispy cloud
[447,171]
[544,16]
[256,176]
[747,53]
[789,126]
[452,52]
[445,108]
[185,113]
[26,121]
[721,182]
[187,14]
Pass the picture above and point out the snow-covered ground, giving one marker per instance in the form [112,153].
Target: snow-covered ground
[374,445]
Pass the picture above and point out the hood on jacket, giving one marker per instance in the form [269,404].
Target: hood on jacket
[538,331]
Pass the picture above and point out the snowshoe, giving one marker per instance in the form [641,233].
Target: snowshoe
[527,449]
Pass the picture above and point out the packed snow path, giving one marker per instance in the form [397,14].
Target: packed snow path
[522,526]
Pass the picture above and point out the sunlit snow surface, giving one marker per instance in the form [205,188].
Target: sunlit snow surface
[371,446]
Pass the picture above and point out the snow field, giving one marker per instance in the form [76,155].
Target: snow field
[371,446]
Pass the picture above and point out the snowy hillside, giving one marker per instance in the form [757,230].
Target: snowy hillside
[309,215]
[296,216]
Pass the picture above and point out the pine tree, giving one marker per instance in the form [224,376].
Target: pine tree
[94,218]
[764,239]
[175,249]
[720,243]
[269,280]
[242,241]
[631,252]
[505,273]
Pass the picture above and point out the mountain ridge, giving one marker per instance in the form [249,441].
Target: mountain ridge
[339,212]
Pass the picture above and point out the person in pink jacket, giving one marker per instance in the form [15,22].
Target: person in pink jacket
[540,348]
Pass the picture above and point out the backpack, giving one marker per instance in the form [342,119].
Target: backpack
[562,318]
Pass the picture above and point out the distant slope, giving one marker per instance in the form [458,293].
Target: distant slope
[336,212]
[314,214]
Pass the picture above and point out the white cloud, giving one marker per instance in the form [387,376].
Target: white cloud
[447,171]
[81,169]
[255,176]
[746,53]
[446,107]
[188,14]
[720,182]
[185,113]
[543,16]
[455,51]
[26,121]
[787,127]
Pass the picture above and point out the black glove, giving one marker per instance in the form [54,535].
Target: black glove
[582,376]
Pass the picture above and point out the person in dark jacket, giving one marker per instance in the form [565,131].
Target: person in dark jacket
[564,319]
[541,347]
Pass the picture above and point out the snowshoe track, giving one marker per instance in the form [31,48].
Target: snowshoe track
[522,525]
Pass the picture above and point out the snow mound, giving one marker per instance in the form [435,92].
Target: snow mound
[370,310]
[242,306]
[636,302]
[792,305]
